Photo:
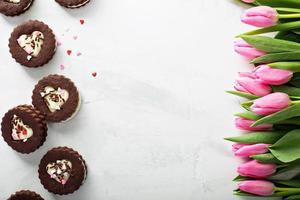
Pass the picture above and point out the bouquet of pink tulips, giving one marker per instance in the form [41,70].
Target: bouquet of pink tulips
[270,145]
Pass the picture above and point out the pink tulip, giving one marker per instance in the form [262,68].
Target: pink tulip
[258,187]
[244,150]
[260,16]
[248,1]
[268,75]
[255,169]
[245,124]
[246,50]
[252,86]
[271,103]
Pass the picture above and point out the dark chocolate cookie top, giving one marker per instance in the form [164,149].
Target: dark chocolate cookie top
[62,170]
[32,44]
[24,128]
[25,195]
[14,7]
[57,97]
[72,3]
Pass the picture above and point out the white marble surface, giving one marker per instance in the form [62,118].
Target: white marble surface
[152,121]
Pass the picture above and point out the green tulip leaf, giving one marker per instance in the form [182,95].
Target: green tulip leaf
[291,121]
[295,80]
[279,27]
[287,113]
[276,57]
[287,173]
[240,178]
[291,66]
[267,137]
[241,193]
[293,197]
[266,158]
[243,94]
[291,183]
[287,148]
[248,115]
[271,45]
[280,3]
[288,35]
[291,91]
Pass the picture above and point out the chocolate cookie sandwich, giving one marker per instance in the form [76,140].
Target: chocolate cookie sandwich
[32,44]
[72,3]
[25,195]
[24,128]
[14,7]
[62,170]
[57,97]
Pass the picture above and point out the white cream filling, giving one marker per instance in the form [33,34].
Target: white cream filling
[54,99]
[79,5]
[32,44]
[60,170]
[13,1]
[20,131]
[77,109]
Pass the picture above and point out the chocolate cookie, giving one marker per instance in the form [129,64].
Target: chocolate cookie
[72,3]
[62,170]
[57,97]
[32,44]
[24,128]
[25,195]
[14,7]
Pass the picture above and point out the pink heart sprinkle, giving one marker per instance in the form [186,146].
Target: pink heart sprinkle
[79,54]
[62,67]
[75,37]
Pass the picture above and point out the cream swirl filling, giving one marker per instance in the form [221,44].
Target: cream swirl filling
[13,1]
[60,170]
[32,44]
[20,131]
[54,99]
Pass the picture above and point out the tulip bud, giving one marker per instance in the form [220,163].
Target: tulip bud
[270,76]
[255,169]
[258,187]
[260,16]
[252,86]
[244,150]
[245,124]
[248,1]
[271,103]
[246,50]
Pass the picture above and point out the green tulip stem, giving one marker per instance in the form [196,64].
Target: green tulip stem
[289,16]
[288,191]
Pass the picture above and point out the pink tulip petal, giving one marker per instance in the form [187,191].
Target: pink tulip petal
[258,187]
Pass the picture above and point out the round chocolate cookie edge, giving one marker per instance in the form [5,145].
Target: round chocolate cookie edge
[39,103]
[19,195]
[72,6]
[39,119]
[14,14]
[71,152]
[13,46]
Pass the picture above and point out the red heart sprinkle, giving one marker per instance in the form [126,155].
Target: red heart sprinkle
[69,52]
[81,21]
[94,74]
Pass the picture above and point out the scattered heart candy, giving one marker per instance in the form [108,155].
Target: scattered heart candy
[75,37]
[69,52]
[79,54]
[81,21]
[94,74]
[62,67]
